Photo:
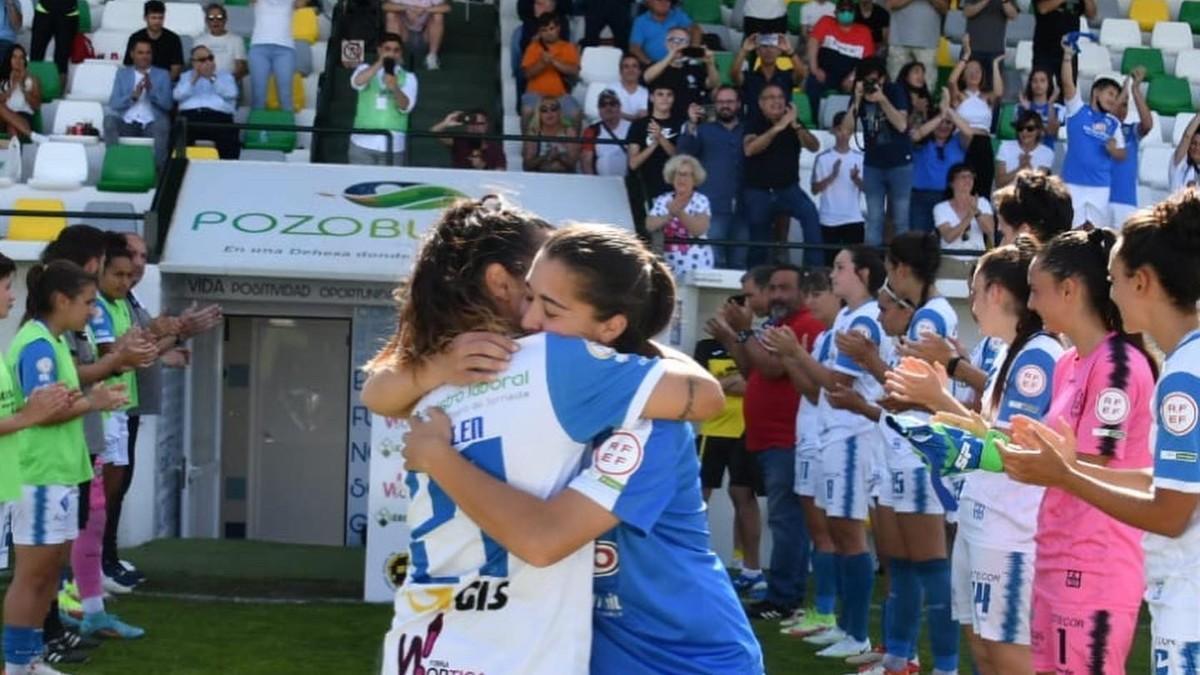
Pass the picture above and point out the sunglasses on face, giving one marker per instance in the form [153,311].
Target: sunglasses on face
[549,108]
[1030,129]
[216,17]
[202,59]
[610,103]
[677,41]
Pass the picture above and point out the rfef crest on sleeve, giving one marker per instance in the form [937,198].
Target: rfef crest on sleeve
[1178,413]
[619,455]
[924,327]
[607,559]
[600,351]
[1112,406]
[1031,380]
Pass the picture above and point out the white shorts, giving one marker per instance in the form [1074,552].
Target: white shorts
[1090,204]
[955,485]
[910,491]
[116,439]
[1118,214]
[46,515]
[992,591]
[808,471]
[847,466]
[5,532]
[1173,657]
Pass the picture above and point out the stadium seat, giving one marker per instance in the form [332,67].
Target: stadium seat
[47,74]
[591,100]
[1171,36]
[830,106]
[944,58]
[1154,166]
[1024,60]
[1093,59]
[1120,33]
[239,19]
[132,225]
[261,139]
[703,11]
[1170,95]
[185,18]
[128,168]
[793,17]
[305,26]
[298,102]
[1019,29]
[237,3]
[109,45]
[804,109]
[1189,13]
[1149,12]
[600,64]
[85,16]
[723,62]
[1005,130]
[263,156]
[1173,5]
[1107,8]
[304,58]
[1187,65]
[36,228]
[72,112]
[201,152]
[59,166]
[123,16]
[1147,57]
[956,25]
[92,80]
[1182,120]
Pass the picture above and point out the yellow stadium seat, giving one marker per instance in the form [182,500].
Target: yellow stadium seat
[1149,12]
[304,25]
[943,54]
[297,93]
[36,228]
[202,152]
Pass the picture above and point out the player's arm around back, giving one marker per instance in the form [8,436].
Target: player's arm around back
[686,391]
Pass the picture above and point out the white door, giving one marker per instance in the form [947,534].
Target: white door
[203,387]
[299,400]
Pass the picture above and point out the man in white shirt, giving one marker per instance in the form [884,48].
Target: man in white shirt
[228,50]
[205,94]
[837,179]
[606,159]
[386,94]
[141,102]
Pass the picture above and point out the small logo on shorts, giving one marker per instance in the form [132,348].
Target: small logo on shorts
[978,512]
[1074,579]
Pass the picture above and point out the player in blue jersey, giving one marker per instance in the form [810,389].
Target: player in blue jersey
[663,601]
[1094,144]
[1156,285]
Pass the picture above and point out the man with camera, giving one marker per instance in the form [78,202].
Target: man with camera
[768,47]
[837,45]
[690,72]
[386,94]
[471,153]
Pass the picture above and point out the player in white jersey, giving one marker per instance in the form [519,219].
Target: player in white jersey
[540,402]
[992,562]
[1156,285]
[850,442]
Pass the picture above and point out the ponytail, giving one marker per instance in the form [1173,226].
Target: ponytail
[1008,266]
[922,253]
[44,280]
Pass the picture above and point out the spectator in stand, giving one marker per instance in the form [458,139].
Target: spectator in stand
[718,146]
[1053,19]
[548,64]
[811,12]
[20,93]
[1027,152]
[965,220]
[550,156]
[875,18]
[920,100]
[1135,124]
[1185,164]
[976,104]
[273,51]
[690,72]
[386,95]
[648,41]
[228,50]
[140,104]
[836,47]
[530,11]
[768,47]
[941,143]
[10,24]
[635,98]
[772,145]
[606,159]
[683,213]
[881,107]
[616,14]
[167,47]
[1038,96]
[471,153]
[56,20]
[987,24]
[419,22]
[1094,144]
[205,94]
[837,180]
[915,30]
[652,142]
[770,407]
[764,17]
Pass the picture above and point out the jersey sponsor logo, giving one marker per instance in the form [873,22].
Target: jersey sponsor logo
[429,599]
[482,596]
[419,647]
[923,327]
[1031,380]
[1112,406]
[619,455]
[607,559]
[1178,456]
[1178,413]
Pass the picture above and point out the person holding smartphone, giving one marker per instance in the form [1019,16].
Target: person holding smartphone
[467,152]
[690,72]
[765,70]
[386,95]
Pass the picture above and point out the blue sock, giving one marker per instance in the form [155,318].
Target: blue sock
[839,575]
[934,576]
[904,611]
[824,569]
[21,645]
[859,578]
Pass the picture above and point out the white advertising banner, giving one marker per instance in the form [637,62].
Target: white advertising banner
[363,223]
[387,510]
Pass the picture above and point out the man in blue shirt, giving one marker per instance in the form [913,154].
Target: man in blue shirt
[206,95]
[648,41]
[10,23]
[718,146]
[1094,144]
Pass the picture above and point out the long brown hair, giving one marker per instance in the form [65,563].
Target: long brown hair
[445,295]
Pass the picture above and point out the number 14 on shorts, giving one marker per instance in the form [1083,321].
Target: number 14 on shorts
[983,596]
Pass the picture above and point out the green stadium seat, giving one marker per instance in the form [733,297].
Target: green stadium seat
[1170,95]
[703,11]
[85,17]
[1189,13]
[804,111]
[1147,57]
[1004,127]
[793,14]
[259,139]
[238,3]
[47,75]
[723,61]
[127,168]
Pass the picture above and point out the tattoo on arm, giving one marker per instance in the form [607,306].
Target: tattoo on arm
[691,399]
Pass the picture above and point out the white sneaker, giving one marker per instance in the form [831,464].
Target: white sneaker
[39,667]
[115,587]
[793,619]
[826,637]
[876,669]
[431,62]
[847,647]
[869,658]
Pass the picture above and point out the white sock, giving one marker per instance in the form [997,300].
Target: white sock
[751,571]
[93,605]
[14,669]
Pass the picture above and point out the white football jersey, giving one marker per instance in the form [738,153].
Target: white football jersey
[842,424]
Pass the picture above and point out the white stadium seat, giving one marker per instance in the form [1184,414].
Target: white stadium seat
[1093,59]
[123,16]
[1171,37]
[1182,120]
[1120,33]
[1024,60]
[59,166]
[1187,65]
[185,18]
[92,80]
[72,112]
[1154,166]
[110,44]
[600,64]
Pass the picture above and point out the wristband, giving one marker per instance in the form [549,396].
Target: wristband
[952,366]
[743,336]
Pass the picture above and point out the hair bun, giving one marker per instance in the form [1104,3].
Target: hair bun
[1180,218]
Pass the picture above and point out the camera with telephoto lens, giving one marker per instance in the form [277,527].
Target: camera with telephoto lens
[870,86]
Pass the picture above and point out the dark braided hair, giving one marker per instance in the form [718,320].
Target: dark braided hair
[922,252]
[1008,266]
